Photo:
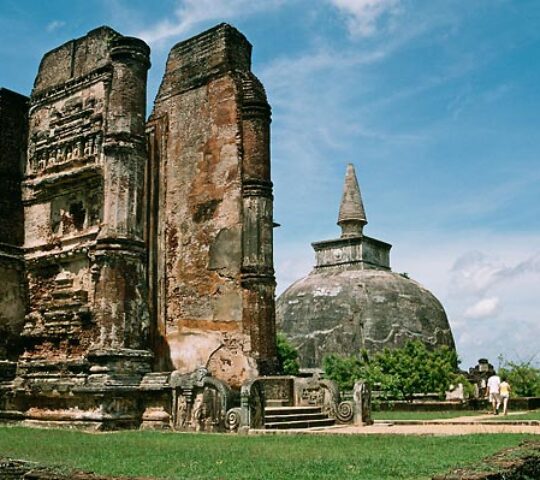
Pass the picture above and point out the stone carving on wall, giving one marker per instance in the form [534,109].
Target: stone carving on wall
[199,401]
[77,138]
[324,393]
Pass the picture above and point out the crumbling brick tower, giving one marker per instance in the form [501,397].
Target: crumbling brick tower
[210,233]
[87,325]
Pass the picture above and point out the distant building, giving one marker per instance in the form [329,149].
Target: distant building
[352,300]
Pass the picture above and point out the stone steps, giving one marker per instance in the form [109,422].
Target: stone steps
[300,417]
[276,403]
[296,424]
[282,418]
[291,410]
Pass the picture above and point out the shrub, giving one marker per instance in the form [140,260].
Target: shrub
[345,371]
[400,372]
[287,356]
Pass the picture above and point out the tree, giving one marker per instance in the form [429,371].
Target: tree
[524,379]
[287,356]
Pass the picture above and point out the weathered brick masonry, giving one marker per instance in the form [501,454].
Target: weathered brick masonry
[209,144]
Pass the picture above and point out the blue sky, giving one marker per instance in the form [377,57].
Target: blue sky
[436,102]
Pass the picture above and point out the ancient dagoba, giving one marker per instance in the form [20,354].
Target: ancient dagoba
[352,300]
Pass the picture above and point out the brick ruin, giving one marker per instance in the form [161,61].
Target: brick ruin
[137,283]
[211,256]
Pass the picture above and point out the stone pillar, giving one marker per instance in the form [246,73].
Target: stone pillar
[124,146]
[257,262]
[119,268]
[362,404]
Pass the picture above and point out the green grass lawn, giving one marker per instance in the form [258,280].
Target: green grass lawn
[395,415]
[207,456]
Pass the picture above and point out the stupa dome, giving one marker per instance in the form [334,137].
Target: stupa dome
[352,300]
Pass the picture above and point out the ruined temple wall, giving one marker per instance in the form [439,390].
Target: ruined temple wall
[13,118]
[210,314]
[83,195]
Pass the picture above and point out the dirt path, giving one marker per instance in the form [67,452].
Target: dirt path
[391,429]
[439,429]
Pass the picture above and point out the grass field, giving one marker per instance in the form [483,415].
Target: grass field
[395,415]
[200,456]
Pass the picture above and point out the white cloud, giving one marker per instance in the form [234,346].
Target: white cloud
[485,307]
[363,16]
[475,272]
[191,13]
[54,25]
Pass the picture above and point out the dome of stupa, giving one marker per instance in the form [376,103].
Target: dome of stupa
[352,300]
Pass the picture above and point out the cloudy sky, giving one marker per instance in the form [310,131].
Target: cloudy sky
[436,102]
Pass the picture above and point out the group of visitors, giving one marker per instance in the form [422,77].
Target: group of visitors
[499,392]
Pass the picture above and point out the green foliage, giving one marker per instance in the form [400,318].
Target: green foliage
[287,356]
[524,379]
[345,371]
[397,373]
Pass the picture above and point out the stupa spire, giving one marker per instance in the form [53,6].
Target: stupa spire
[352,216]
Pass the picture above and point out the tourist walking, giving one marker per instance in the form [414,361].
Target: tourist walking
[504,392]
[493,388]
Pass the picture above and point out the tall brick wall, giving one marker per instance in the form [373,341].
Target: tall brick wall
[209,145]
[123,241]
[13,128]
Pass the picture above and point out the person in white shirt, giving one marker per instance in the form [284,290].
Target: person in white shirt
[493,389]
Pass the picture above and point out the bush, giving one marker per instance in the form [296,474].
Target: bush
[345,371]
[400,372]
[524,379]
[287,356]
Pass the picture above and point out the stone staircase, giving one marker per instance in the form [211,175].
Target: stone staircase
[287,417]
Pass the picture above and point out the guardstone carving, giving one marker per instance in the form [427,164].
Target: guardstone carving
[199,401]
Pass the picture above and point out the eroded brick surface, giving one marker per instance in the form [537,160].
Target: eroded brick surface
[215,209]
[84,230]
